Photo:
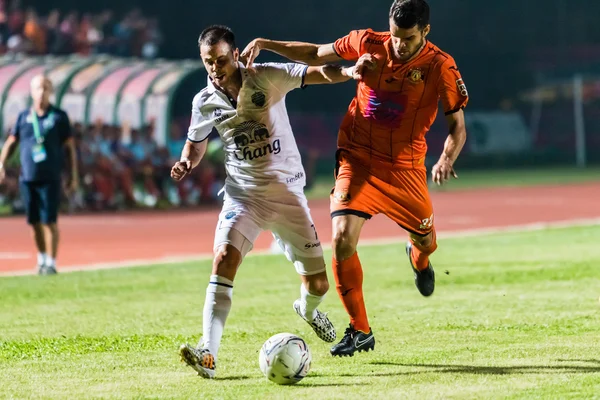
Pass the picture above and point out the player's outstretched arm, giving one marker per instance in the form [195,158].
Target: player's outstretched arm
[307,53]
[443,169]
[328,74]
[191,155]
[9,146]
[336,73]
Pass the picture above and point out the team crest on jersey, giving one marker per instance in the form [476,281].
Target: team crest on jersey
[251,140]
[415,75]
[259,99]
[218,112]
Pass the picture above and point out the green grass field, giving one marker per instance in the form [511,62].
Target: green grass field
[513,316]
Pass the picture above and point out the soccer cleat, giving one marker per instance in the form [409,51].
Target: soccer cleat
[424,280]
[46,270]
[321,324]
[354,341]
[199,359]
[51,270]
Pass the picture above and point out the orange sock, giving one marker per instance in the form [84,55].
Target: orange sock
[348,276]
[420,254]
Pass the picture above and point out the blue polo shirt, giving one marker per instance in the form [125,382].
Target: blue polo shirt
[56,129]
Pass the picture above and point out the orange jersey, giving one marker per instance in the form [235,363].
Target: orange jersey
[396,103]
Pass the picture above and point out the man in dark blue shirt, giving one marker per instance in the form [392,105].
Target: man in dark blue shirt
[43,132]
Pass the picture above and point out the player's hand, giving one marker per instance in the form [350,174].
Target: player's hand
[364,63]
[2,174]
[181,169]
[443,170]
[250,53]
[73,185]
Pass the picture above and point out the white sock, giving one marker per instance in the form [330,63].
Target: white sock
[216,309]
[42,258]
[51,262]
[310,302]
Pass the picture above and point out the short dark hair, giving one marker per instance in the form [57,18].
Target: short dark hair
[216,33]
[408,13]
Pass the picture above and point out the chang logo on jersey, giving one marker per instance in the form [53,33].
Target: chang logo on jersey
[251,140]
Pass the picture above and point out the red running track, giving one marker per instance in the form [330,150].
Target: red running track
[123,237]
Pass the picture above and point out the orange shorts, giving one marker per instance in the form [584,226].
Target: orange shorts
[402,194]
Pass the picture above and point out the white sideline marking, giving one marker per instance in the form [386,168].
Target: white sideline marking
[6,255]
[537,226]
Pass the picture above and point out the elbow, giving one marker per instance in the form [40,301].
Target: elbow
[459,131]
[462,132]
[314,56]
[313,59]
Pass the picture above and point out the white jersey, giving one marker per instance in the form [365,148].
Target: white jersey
[260,149]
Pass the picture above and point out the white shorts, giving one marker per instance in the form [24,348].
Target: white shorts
[286,215]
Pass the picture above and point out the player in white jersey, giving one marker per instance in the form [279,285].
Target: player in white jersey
[265,180]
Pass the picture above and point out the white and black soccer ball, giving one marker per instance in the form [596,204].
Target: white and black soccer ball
[285,359]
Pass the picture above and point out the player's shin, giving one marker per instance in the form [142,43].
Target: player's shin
[422,248]
[216,309]
[348,276]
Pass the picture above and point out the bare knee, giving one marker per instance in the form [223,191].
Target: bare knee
[317,284]
[346,230]
[226,262]
[344,245]
[423,241]
[50,229]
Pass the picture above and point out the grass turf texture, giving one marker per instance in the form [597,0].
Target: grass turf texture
[515,316]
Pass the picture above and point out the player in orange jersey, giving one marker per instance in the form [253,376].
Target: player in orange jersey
[381,146]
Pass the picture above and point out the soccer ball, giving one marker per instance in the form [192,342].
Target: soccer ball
[285,359]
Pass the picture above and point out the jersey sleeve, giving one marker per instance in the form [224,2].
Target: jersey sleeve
[451,87]
[16,129]
[200,128]
[65,127]
[348,47]
[285,76]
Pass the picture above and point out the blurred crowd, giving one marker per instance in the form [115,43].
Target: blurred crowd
[124,168]
[62,33]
